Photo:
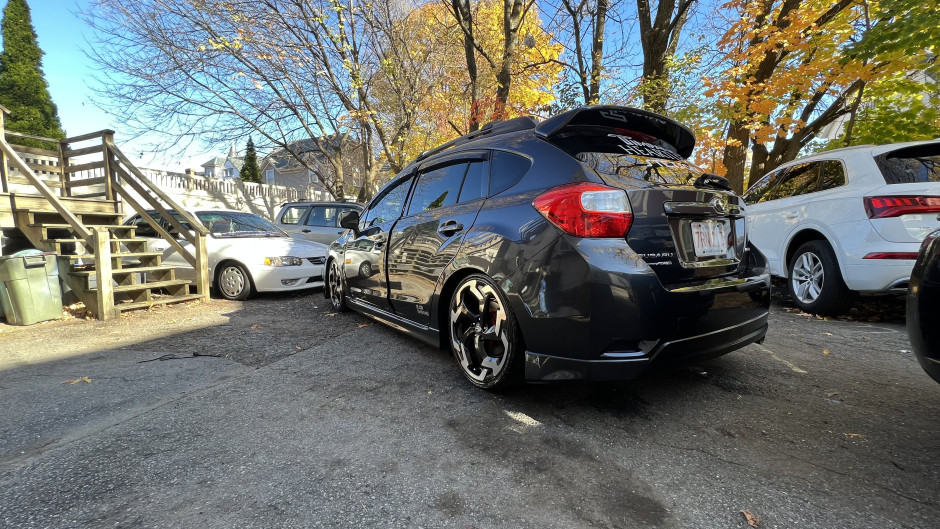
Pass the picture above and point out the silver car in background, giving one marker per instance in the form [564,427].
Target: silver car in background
[316,221]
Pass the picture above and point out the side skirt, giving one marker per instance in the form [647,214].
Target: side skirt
[426,334]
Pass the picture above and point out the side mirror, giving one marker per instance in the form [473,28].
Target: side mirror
[350,221]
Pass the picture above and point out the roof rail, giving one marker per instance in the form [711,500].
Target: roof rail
[491,128]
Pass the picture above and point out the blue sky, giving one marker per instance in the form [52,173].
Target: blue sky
[69,72]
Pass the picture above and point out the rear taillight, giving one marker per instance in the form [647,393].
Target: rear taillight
[586,209]
[884,207]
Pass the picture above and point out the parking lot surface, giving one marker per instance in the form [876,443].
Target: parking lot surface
[291,415]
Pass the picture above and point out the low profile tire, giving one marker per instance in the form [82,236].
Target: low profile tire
[234,282]
[365,269]
[814,281]
[335,287]
[483,334]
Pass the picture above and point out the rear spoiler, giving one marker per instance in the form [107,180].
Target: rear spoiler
[629,119]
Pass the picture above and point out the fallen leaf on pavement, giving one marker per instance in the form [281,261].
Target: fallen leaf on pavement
[361,325]
[255,326]
[752,520]
[331,314]
[298,347]
[77,380]
[825,351]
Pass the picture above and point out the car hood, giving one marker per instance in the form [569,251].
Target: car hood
[272,246]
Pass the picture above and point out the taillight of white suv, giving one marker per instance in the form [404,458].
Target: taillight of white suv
[895,206]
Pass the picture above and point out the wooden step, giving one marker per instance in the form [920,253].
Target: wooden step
[78,206]
[60,226]
[153,284]
[114,255]
[59,241]
[126,271]
[162,300]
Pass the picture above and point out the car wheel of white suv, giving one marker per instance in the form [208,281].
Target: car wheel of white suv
[814,281]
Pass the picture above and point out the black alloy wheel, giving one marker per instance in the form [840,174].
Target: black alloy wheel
[483,334]
[334,282]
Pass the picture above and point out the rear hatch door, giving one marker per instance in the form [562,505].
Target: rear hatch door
[907,207]
[686,226]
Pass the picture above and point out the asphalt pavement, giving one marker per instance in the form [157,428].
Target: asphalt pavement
[828,424]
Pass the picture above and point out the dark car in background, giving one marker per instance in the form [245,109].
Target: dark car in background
[583,246]
[923,306]
[316,221]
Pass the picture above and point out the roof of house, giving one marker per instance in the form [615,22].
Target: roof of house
[285,161]
[216,161]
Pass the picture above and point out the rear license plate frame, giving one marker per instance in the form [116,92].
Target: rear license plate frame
[710,237]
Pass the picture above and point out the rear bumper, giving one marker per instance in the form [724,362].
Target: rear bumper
[668,353]
[587,312]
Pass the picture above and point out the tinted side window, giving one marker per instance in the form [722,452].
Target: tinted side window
[324,216]
[758,191]
[832,174]
[797,180]
[475,184]
[293,214]
[506,169]
[387,206]
[437,188]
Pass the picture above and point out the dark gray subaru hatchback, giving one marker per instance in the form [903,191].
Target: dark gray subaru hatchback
[583,246]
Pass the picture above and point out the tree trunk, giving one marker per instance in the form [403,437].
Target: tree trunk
[513,13]
[597,53]
[735,156]
[461,11]
[659,37]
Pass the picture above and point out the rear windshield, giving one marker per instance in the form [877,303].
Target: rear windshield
[626,170]
[911,165]
[628,161]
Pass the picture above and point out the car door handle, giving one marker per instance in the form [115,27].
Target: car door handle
[304,231]
[450,228]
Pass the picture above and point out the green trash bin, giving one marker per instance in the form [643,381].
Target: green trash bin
[29,288]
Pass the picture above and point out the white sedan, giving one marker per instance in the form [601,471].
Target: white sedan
[247,254]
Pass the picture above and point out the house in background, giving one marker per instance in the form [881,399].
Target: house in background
[282,168]
[224,166]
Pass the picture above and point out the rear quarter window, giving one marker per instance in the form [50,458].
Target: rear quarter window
[506,169]
[911,165]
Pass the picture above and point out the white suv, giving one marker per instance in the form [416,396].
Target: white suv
[845,221]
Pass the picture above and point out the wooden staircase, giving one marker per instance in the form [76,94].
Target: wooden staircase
[66,204]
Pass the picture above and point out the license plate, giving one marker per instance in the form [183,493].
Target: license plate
[710,238]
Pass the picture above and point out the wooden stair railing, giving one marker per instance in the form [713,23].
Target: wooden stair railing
[60,218]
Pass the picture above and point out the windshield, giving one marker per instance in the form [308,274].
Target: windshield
[620,169]
[237,224]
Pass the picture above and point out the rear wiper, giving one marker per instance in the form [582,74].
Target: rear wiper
[712,180]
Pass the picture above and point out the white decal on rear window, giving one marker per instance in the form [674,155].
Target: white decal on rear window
[639,148]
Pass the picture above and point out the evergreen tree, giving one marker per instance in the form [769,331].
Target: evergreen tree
[23,87]
[250,171]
